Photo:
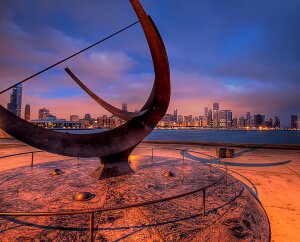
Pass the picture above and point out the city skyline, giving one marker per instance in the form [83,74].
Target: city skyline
[221,119]
[246,57]
[213,117]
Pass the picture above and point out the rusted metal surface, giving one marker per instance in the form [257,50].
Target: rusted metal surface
[112,143]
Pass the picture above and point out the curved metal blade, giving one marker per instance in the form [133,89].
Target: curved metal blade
[110,142]
[110,108]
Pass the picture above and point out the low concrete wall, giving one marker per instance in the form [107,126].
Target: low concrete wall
[242,145]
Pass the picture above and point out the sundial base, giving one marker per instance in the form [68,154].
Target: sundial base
[231,212]
[114,165]
[107,170]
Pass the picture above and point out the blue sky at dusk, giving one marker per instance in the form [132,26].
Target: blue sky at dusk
[243,54]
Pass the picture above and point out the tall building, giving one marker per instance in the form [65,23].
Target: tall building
[234,122]
[268,123]
[229,119]
[242,122]
[209,118]
[225,119]
[248,121]
[185,121]
[124,107]
[259,120]
[205,122]
[167,119]
[294,121]
[205,111]
[276,122]
[15,103]
[180,120]
[200,121]
[215,117]
[27,112]
[43,112]
[190,120]
[175,115]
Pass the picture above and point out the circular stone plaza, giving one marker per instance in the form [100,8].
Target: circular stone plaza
[179,192]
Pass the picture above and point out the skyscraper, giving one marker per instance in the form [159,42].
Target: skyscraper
[225,119]
[276,122]
[124,107]
[43,112]
[215,117]
[248,122]
[294,121]
[175,115]
[209,118]
[259,120]
[27,112]
[242,122]
[180,120]
[234,122]
[15,103]
[205,111]
[229,119]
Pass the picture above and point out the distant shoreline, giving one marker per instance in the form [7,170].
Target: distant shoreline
[242,138]
[199,128]
[191,128]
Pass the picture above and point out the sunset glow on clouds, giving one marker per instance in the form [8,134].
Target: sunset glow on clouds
[243,54]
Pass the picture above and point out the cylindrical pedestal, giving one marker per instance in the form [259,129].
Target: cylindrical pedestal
[106,170]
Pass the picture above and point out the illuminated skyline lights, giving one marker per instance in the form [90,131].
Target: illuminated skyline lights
[212,118]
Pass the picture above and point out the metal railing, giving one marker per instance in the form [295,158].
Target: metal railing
[24,153]
[193,151]
[210,163]
[92,212]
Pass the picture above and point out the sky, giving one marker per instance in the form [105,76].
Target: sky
[243,54]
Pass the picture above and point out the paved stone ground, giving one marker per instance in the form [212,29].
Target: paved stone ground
[232,214]
[274,177]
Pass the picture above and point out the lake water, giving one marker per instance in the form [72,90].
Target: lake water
[235,136]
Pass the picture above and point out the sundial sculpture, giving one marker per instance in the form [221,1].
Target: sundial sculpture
[114,146]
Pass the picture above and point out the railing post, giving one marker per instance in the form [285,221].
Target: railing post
[203,203]
[219,161]
[226,176]
[31,159]
[210,163]
[91,226]
[183,156]
[152,155]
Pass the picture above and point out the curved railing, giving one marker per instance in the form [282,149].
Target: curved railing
[93,211]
